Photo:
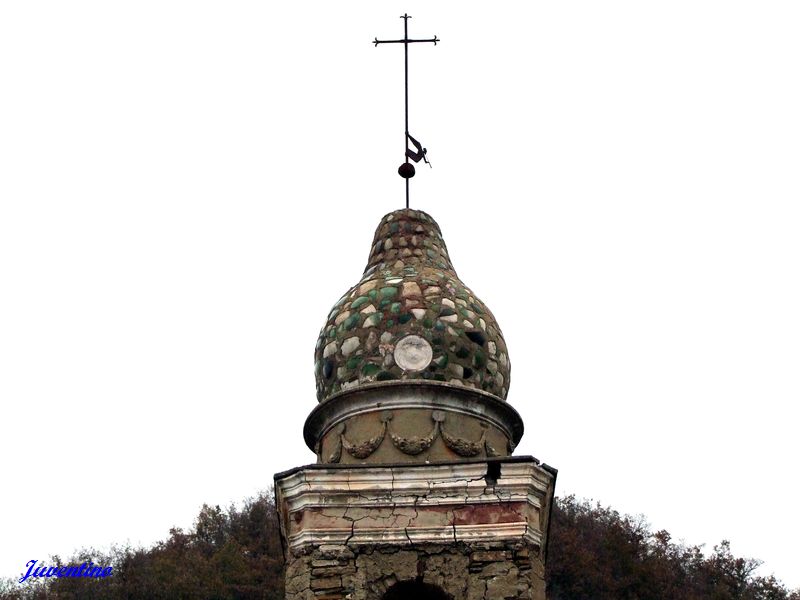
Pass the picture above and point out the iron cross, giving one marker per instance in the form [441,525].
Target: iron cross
[407,170]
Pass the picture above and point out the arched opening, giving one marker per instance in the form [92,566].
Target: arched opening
[414,590]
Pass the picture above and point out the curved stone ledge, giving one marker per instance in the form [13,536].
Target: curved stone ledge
[397,395]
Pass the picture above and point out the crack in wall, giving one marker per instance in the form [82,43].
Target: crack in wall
[439,532]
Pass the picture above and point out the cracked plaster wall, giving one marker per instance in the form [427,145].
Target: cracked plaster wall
[351,534]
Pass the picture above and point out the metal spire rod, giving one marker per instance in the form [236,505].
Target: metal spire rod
[407,170]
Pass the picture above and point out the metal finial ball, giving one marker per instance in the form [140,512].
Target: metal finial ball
[406,170]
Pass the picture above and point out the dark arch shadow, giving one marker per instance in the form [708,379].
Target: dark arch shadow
[415,590]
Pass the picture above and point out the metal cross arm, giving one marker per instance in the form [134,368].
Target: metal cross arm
[434,39]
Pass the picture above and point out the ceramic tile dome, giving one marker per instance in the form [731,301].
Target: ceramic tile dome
[410,319]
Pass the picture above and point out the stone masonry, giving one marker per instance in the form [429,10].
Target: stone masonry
[471,530]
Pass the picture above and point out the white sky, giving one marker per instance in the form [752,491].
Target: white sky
[187,187]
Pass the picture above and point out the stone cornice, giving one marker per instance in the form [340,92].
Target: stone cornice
[405,395]
[496,500]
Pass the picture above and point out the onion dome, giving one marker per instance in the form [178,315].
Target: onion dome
[411,333]
[410,318]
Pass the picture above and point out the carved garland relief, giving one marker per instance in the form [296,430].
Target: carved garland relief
[411,446]
[416,445]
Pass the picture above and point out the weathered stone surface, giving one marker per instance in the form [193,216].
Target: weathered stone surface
[411,288]
[491,555]
[398,505]
[326,563]
[334,551]
[505,584]
[472,432]
[447,570]
[349,345]
[372,570]
[325,583]
[338,570]
[397,280]
[365,529]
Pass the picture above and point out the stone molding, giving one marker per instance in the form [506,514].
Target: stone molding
[412,395]
[495,500]
[411,446]
[489,532]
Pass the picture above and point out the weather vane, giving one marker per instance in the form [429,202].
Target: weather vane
[406,169]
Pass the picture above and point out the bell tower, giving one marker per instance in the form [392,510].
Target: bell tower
[415,492]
